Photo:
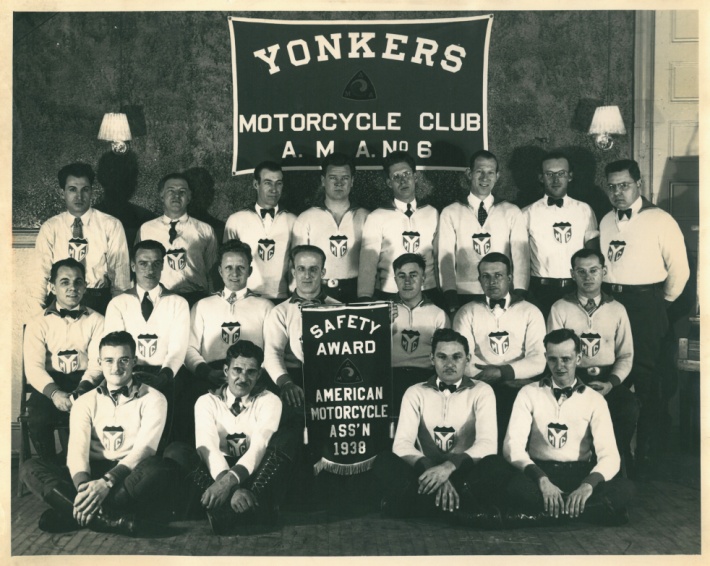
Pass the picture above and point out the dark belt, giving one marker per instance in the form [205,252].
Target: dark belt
[332,283]
[553,282]
[594,372]
[618,288]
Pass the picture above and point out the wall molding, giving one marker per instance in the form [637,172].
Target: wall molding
[24,237]
[644,57]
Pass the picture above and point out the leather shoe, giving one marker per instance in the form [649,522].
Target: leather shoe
[52,521]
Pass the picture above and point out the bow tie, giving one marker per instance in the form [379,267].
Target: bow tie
[558,202]
[71,314]
[265,211]
[622,213]
[566,391]
[499,302]
[120,391]
[443,387]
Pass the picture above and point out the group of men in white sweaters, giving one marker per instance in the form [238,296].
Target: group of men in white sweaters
[211,378]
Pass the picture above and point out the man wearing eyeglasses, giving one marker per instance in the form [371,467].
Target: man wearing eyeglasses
[558,225]
[647,270]
[405,226]
[479,225]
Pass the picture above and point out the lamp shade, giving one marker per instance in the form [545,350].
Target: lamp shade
[114,127]
[607,120]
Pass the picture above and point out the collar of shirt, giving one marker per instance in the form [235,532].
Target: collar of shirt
[457,384]
[424,301]
[634,208]
[85,218]
[54,309]
[133,387]
[296,298]
[475,202]
[240,294]
[167,220]
[507,301]
[259,209]
[547,381]
[153,294]
[402,206]
[229,398]
[583,300]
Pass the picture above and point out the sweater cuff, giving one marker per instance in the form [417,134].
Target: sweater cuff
[119,472]
[461,460]
[167,373]
[615,380]
[507,372]
[593,479]
[49,389]
[422,465]
[534,472]
[241,473]
[79,478]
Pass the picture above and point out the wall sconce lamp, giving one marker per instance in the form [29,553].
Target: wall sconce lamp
[606,122]
[114,128]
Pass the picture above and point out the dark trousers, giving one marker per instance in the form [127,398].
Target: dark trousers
[44,417]
[193,296]
[345,291]
[544,296]
[505,392]
[146,491]
[477,484]
[465,298]
[150,376]
[525,493]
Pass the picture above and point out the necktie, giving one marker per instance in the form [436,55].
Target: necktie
[71,314]
[265,211]
[499,302]
[482,214]
[76,229]
[236,407]
[120,391]
[558,202]
[590,306]
[232,298]
[566,391]
[443,387]
[622,213]
[409,211]
[172,233]
[146,306]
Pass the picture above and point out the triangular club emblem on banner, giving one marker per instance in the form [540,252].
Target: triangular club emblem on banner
[360,87]
[348,373]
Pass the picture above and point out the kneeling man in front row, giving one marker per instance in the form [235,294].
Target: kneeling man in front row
[561,440]
[444,448]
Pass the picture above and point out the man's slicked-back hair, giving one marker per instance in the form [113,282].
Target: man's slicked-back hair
[234,246]
[585,253]
[67,262]
[268,166]
[169,176]
[337,159]
[77,170]
[550,155]
[148,245]
[244,349]
[396,157]
[562,335]
[404,259]
[306,248]
[484,154]
[119,338]
[496,257]
[624,165]
[448,335]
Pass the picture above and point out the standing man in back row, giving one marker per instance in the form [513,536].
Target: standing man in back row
[557,226]
[267,229]
[647,270]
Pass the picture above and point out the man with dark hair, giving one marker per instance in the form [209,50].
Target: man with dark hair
[61,351]
[443,455]
[557,226]
[112,469]
[191,246]
[283,351]
[647,269]
[93,238]
[561,440]
[268,230]
[471,229]
[234,470]
[607,346]
[335,225]
[405,226]
[505,333]
[415,321]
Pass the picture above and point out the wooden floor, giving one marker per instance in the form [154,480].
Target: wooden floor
[665,519]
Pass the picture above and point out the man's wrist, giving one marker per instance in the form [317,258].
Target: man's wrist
[284,380]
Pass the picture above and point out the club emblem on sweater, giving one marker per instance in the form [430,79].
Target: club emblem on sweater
[616,250]
[339,245]
[562,231]
[78,248]
[147,345]
[481,243]
[557,435]
[68,361]
[499,342]
[112,438]
[231,332]
[177,259]
[266,249]
[410,340]
[444,437]
[410,241]
[590,344]
[348,373]
[238,444]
